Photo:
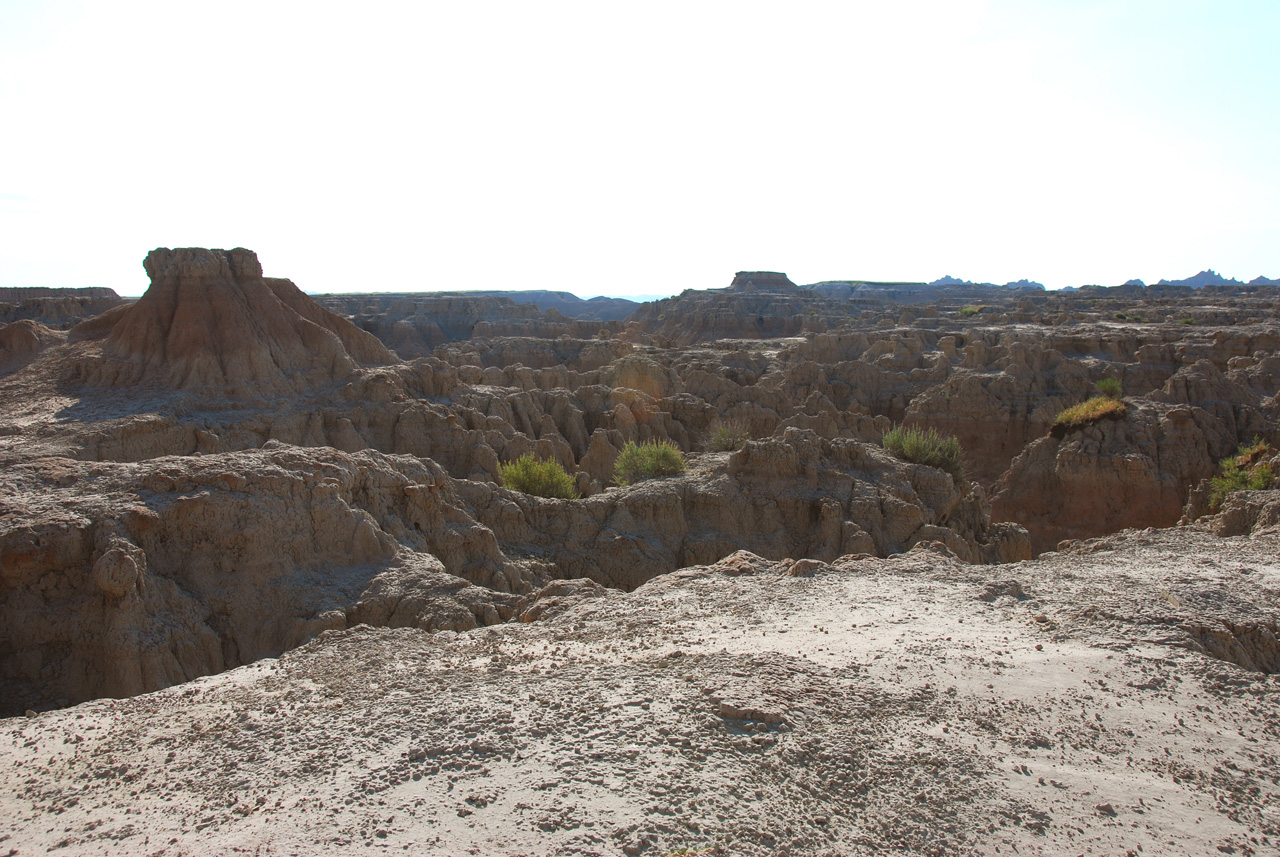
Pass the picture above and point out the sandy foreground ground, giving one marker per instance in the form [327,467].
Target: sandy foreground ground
[1090,702]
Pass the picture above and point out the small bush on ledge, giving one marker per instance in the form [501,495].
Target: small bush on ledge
[1085,413]
[927,447]
[539,477]
[1244,471]
[728,435]
[648,460]
[1109,387]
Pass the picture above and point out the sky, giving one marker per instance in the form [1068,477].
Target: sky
[641,148]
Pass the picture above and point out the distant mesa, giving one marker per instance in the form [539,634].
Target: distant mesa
[22,293]
[761,281]
[210,320]
[1135,282]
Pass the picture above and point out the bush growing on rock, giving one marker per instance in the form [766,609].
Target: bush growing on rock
[728,435]
[529,474]
[927,447]
[647,460]
[1109,387]
[1245,471]
[1089,412]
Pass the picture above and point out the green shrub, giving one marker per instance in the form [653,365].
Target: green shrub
[728,435]
[539,477]
[927,447]
[1244,471]
[647,460]
[1109,387]
[1186,321]
[1089,412]
[970,311]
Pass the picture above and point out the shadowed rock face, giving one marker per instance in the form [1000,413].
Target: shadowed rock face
[211,321]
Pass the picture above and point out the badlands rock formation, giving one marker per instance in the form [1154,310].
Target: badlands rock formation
[211,321]
[802,644]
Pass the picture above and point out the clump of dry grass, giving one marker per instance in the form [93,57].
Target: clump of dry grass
[539,477]
[1089,412]
[728,435]
[927,447]
[1245,471]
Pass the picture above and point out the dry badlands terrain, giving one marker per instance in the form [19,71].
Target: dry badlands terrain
[262,590]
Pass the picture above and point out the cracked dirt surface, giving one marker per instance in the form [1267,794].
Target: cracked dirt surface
[1091,701]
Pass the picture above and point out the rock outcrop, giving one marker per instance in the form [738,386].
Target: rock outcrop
[210,321]
[120,579]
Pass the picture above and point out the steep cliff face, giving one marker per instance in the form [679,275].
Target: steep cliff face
[1137,471]
[210,321]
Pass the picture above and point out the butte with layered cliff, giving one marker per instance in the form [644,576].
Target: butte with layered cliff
[263,588]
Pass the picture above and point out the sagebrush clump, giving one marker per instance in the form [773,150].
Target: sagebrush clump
[926,446]
[529,474]
[648,460]
[1248,470]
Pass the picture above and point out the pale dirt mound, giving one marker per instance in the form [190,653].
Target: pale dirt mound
[210,321]
[1063,706]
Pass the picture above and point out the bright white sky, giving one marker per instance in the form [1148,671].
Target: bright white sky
[610,148]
